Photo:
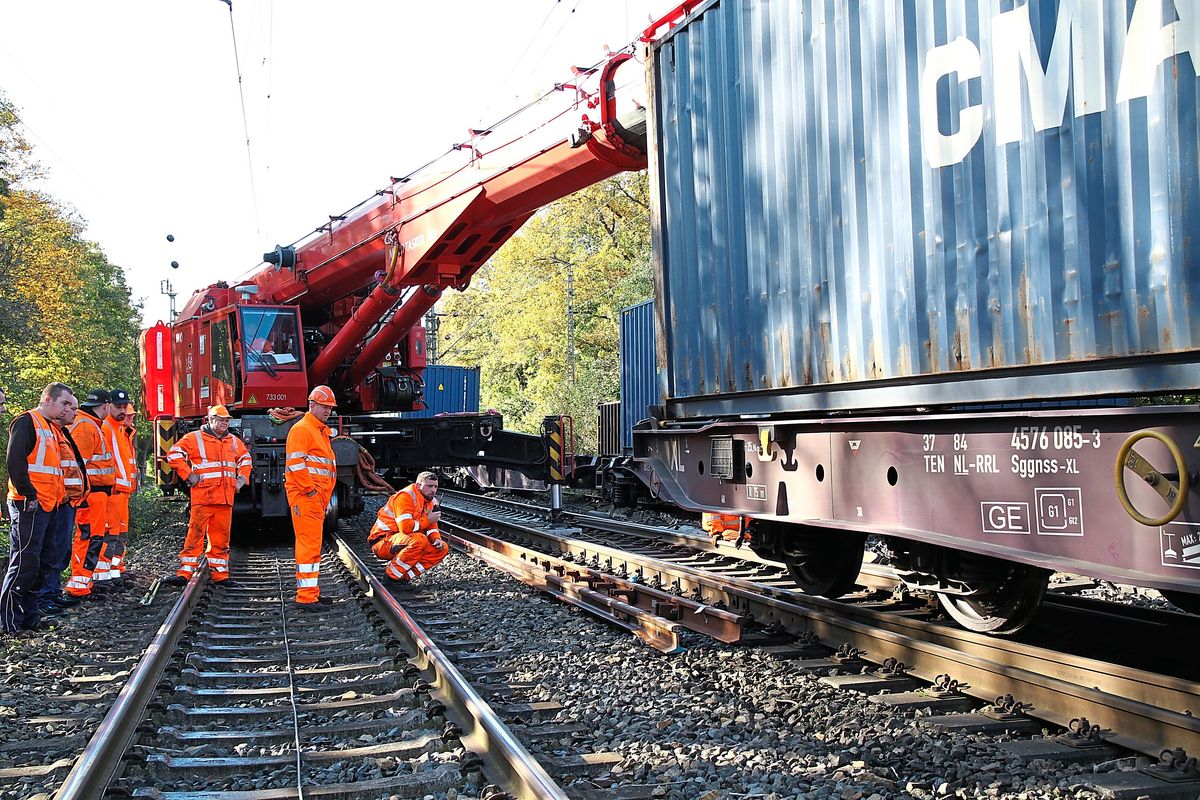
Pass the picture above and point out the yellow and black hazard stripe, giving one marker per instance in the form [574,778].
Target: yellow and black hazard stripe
[553,428]
[164,439]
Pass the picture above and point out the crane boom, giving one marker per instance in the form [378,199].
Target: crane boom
[396,255]
[343,306]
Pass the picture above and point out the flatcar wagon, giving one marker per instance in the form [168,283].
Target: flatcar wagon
[896,245]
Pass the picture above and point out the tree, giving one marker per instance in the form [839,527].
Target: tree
[542,317]
[66,313]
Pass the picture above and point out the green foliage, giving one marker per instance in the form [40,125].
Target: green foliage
[513,322]
[66,313]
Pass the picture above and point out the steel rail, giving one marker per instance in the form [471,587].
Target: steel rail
[98,763]
[871,576]
[1147,712]
[717,623]
[659,633]
[483,730]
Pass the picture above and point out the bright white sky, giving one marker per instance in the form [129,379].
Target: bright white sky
[133,108]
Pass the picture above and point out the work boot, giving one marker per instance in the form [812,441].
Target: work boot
[225,584]
[175,580]
[308,608]
[67,600]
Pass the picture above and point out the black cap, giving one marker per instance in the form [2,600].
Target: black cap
[119,397]
[97,397]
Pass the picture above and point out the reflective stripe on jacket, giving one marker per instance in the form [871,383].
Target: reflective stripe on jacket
[125,461]
[310,460]
[74,483]
[45,472]
[217,462]
[405,512]
[716,524]
[97,456]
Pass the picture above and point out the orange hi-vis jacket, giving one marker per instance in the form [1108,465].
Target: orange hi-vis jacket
[45,471]
[74,483]
[718,524]
[406,512]
[310,461]
[125,460]
[98,457]
[217,462]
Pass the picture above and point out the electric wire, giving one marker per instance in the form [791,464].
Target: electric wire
[557,4]
[267,105]
[245,123]
[557,34]
[629,47]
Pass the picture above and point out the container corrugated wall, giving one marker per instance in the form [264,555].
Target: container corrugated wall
[884,192]
[639,374]
[608,436]
[448,390]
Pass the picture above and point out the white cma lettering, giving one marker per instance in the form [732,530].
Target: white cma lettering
[1148,43]
[1077,59]
[961,58]
[1014,51]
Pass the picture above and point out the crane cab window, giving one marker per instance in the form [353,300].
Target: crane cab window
[270,339]
[222,356]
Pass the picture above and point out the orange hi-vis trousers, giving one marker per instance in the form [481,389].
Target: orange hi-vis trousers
[90,521]
[308,520]
[113,557]
[410,555]
[211,521]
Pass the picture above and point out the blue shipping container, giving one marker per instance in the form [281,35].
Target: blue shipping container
[448,390]
[894,204]
[639,372]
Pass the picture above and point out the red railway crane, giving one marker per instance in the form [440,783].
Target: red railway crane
[344,306]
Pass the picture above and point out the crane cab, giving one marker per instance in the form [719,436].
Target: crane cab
[246,356]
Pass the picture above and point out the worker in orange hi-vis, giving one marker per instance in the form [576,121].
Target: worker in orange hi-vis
[406,533]
[130,423]
[91,518]
[111,564]
[728,527]
[216,465]
[310,479]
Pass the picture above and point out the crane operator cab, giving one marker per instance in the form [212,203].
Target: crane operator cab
[270,340]
[247,357]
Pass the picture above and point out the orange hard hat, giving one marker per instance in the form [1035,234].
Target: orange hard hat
[323,395]
[219,411]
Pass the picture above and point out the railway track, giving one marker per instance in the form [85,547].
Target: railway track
[367,702]
[242,696]
[1104,706]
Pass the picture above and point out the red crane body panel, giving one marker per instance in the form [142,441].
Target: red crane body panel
[364,282]
[159,395]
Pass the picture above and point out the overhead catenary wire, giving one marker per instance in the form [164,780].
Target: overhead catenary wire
[557,34]
[245,122]
[554,7]
[451,151]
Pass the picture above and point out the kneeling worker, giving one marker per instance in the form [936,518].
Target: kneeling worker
[729,527]
[405,532]
[216,465]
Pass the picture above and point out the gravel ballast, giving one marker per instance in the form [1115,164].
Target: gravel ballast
[717,721]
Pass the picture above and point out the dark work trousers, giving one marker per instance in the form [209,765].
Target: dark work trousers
[56,555]
[18,595]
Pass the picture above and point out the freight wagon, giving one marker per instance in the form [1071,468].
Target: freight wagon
[618,476]
[869,217]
